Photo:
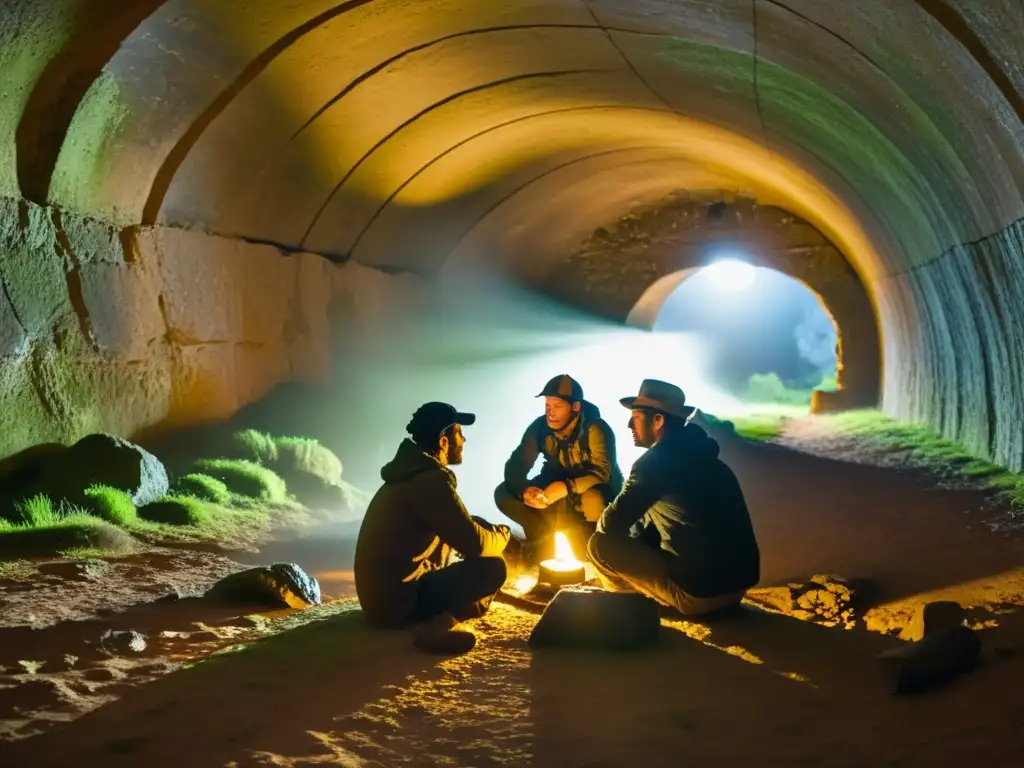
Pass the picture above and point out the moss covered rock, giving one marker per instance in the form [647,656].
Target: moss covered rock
[176,510]
[105,460]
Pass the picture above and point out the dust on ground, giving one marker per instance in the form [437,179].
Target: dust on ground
[317,687]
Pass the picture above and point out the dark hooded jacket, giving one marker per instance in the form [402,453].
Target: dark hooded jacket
[412,524]
[681,497]
[583,454]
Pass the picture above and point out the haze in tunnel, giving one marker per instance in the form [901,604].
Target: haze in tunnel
[753,321]
[488,347]
[192,189]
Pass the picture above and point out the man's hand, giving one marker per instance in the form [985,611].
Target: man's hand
[557,491]
[535,497]
[504,531]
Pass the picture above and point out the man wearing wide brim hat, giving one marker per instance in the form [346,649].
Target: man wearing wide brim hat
[679,532]
[580,473]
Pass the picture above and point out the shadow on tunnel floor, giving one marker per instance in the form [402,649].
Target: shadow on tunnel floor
[818,515]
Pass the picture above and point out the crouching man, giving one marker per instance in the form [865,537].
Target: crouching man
[404,572]
[579,476]
[679,532]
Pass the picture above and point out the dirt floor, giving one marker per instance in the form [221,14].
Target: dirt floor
[316,687]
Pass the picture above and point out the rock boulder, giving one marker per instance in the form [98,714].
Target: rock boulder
[101,459]
[269,585]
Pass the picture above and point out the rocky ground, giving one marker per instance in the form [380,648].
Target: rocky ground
[850,551]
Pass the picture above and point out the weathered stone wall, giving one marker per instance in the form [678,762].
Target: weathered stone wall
[136,330]
[958,323]
[615,268]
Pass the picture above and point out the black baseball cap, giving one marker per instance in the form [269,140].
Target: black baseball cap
[434,418]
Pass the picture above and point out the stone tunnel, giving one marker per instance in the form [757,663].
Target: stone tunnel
[197,196]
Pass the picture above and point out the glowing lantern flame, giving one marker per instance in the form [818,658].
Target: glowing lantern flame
[564,559]
[563,549]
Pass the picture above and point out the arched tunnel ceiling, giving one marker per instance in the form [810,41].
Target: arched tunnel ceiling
[391,130]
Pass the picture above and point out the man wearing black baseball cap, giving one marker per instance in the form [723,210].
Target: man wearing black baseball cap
[580,474]
[403,570]
[679,532]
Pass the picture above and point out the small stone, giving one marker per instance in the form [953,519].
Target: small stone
[123,641]
[285,583]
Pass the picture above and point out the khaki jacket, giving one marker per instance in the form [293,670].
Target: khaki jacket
[412,525]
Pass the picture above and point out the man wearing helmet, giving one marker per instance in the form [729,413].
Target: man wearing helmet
[579,476]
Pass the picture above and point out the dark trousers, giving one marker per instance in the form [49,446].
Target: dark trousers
[539,525]
[627,564]
[464,589]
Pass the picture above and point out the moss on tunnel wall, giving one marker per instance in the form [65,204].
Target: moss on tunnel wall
[964,360]
[106,330]
[846,141]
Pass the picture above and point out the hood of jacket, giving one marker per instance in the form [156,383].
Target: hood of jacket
[694,443]
[409,461]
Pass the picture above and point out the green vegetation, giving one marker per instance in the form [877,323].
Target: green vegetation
[301,456]
[250,445]
[234,500]
[770,389]
[246,478]
[110,504]
[44,530]
[921,445]
[177,510]
[202,487]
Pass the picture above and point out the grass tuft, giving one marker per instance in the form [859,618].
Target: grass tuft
[46,531]
[202,487]
[110,504]
[178,511]
[245,478]
[250,445]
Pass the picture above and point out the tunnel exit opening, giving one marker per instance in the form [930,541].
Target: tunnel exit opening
[769,340]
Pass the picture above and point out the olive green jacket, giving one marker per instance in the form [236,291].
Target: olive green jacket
[582,454]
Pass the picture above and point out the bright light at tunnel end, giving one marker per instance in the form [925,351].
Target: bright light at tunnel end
[731,274]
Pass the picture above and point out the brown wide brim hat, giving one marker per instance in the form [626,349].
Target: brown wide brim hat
[660,396]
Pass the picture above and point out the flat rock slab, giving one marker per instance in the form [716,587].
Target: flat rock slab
[590,617]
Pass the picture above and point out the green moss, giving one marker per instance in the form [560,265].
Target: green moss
[110,504]
[81,167]
[250,445]
[202,487]
[48,531]
[305,456]
[177,510]
[838,132]
[245,478]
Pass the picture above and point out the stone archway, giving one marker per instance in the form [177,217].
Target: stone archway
[626,273]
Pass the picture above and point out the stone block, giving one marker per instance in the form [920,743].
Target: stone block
[590,617]
[215,289]
[937,658]
[934,617]
[124,310]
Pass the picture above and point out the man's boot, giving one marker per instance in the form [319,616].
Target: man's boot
[439,635]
